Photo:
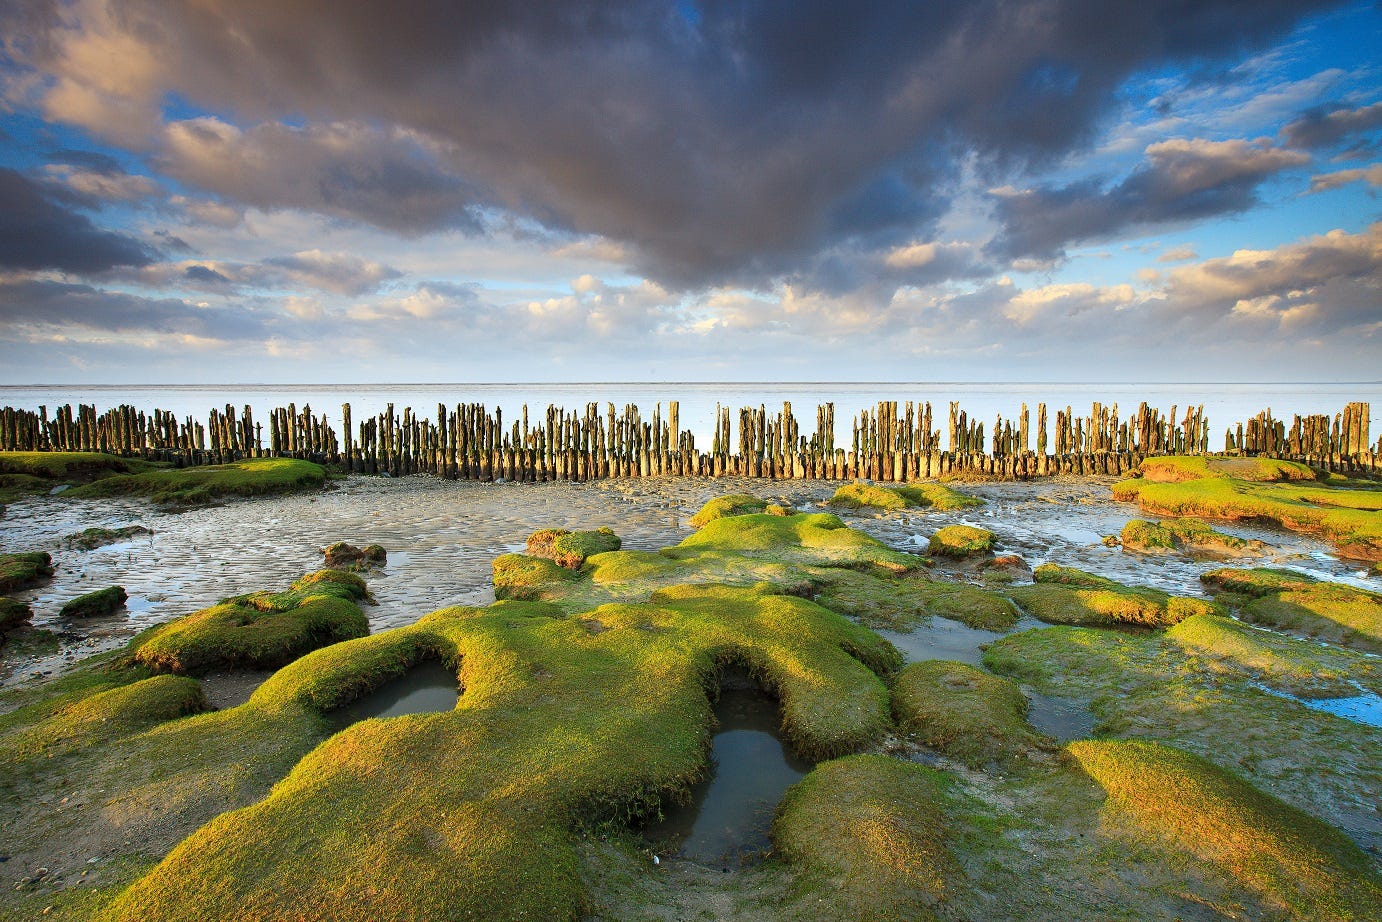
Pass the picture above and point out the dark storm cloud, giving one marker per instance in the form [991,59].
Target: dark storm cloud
[37,232]
[38,303]
[1180,180]
[724,145]
[1327,127]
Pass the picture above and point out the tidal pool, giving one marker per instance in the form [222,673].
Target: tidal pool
[731,812]
[426,688]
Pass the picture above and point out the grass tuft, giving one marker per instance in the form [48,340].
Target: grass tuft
[961,541]
[919,496]
[721,506]
[964,712]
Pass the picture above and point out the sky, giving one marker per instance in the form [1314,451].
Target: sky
[336,191]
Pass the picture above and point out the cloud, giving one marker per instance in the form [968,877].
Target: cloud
[1325,127]
[1372,175]
[1180,179]
[347,170]
[101,186]
[39,233]
[341,273]
[65,306]
[729,146]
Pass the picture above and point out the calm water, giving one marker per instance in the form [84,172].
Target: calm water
[1225,404]
[426,688]
[731,811]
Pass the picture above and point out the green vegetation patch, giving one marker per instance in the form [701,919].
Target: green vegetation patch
[808,538]
[918,496]
[901,602]
[343,556]
[260,631]
[1190,536]
[1289,601]
[876,836]
[964,712]
[195,485]
[1350,518]
[721,506]
[92,538]
[1180,468]
[1300,667]
[19,571]
[471,812]
[961,541]
[96,604]
[1292,859]
[12,615]
[520,577]
[569,549]
[1065,595]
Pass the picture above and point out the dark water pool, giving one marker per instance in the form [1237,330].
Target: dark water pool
[426,688]
[731,812]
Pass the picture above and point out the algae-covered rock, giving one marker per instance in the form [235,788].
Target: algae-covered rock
[92,538]
[12,615]
[1290,601]
[1295,862]
[200,485]
[875,835]
[526,578]
[1065,595]
[96,604]
[964,712]
[343,556]
[1190,536]
[569,549]
[721,506]
[19,571]
[961,541]
[1180,468]
[917,496]
[263,630]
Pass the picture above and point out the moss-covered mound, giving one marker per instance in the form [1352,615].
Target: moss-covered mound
[569,549]
[1180,468]
[265,630]
[195,485]
[344,556]
[92,538]
[1190,536]
[1290,601]
[721,506]
[901,602]
[1300,667]
[525,578]
[96,604]
[1301,865]
[961,541]
[12,615]
[19,571]
[964,712]
[875,835]
[1064,595]
[918,496]
[1350,518]
[470,812]
[24,473]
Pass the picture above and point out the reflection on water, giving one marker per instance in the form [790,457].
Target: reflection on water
[941,638]
[1062,718]
[1364,708]
[731,811]
[426,688]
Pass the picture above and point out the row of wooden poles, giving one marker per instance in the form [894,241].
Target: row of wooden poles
[890,442]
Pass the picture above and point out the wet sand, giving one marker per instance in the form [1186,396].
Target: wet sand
[442,535]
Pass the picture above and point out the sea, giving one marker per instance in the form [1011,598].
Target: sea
[1225,405]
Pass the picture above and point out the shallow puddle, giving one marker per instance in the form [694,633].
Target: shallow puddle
[428,687]
[1061,718]
[731,812]
[1364,708]
[941,638]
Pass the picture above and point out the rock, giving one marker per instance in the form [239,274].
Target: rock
[1008,562]
[93,538]
[343,556]
[12,615]
[961,541]
[95,604]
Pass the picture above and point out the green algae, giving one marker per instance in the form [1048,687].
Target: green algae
[722,506]
[199,485]
[876,835]
[1289,601]
[902,602]
[1190,536]
[96,604]
[12,615]
[961,541]
[569,549]
[1350,518]
[92,538]
[1179,468]
[918,496]
[1064,595]
[260,631]
[1296,862]
[19,571]
[964,712]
